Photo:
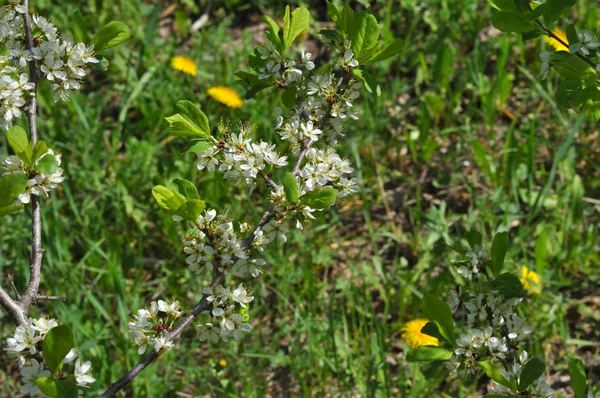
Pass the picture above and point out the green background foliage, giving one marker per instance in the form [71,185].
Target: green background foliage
[464,136]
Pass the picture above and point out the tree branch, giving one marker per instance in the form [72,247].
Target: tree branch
[36,225]
[13,308]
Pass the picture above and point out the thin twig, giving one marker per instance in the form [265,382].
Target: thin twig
[50,298]
[36,224]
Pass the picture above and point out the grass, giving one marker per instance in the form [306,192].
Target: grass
[465,135]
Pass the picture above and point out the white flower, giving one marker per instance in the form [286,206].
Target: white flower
[30,374]
[173,309]
[44,325]
[241,296]
[81,370]
[309,132]
[348,61]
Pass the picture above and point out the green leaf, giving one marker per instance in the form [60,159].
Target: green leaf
[368,80]
[47,385]
[332,35]
[571,32]
[553,9]
[290,186]
[17,139]
[251,93]
[578,377]
[10,209]
[346,20]
[572,67]
[474,238]
[199,146]
[320,199]
[289,96]
[273,33]
[428,354]
[48,164]
[182,126]
[186,188]
[512,22]
[503,5]
[191,209]
[167,199]
[508,285]
[11,186]
[294,27]
[499,248]
[78,27]
[363,34]
[392,49]
[40,148]
[194,114]
[439,312]
[531,372]
[431,329]
[493,373]
[110,35]
[591,110]
[66,389]
[333,12]
[58,342]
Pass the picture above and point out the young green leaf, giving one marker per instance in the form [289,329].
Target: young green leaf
[531,372]
[512,22]
[392,49]
[290,186]
[79,25]
[199,145]
[493,373]
[333,12]
[294,26]
[273,33]
[508,285]
[194,114]
[11,186]
[439,312]
[17,139]
[47,386]
[167,199]
[571,32]
[66,388]
[503,5]
[499,248]
[428,354]
[431,329]
[48,164]
[578,377]
[191,209]
[320,199]
[58,342]
[572,67]
[40,148]
[185,188]
[182,126]
[474,238]
[10,209]
[110,35]
[368,80]
[363,34]
[553,9]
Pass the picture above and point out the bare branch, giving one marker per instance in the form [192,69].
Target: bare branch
[14,310]
[36,222]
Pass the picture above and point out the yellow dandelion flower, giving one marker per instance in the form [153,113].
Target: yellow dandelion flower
[223,362]
[184,64]
[530,280]
[411,333]
[226,96]
[558,46]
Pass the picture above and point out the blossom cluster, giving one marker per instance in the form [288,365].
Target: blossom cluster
[494,330]
[309,131]
[26,345]
[150,327]
[39,183]
[60,61]
[229,314]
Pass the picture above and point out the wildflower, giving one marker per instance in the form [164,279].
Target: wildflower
[184,64]
[411,333]
[81,370]
[530,280]
[223,362]
[226,96]
[558,46]
[30,374]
